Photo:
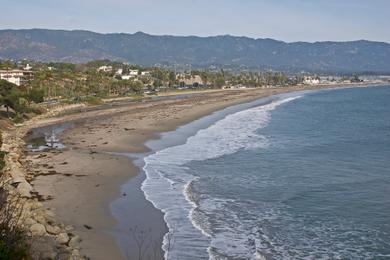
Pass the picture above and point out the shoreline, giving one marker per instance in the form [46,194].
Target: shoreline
[96,133]
[204,176]
[179,137]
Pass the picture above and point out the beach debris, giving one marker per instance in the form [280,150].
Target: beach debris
[87,227]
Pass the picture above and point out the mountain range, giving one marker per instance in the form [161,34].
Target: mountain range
[144,49]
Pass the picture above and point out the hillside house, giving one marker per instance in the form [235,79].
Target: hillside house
[133,73]
[127,77]
[27,67]
[119,72]
[17,77]
[105,69]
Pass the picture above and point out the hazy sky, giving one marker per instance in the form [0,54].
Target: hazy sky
[288,20]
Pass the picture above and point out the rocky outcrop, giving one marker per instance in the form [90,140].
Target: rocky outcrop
[49,238]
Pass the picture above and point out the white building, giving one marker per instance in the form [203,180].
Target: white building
[105,68]
[145,73]
[119,72]
[27,67]
[311,80]
[127,77]
[133,73]
[17,77]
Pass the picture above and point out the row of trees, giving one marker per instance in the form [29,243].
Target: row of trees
[250,79]
[74,81]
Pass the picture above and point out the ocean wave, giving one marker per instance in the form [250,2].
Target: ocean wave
[168,183]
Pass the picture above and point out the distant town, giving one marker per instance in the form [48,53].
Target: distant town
[37,82]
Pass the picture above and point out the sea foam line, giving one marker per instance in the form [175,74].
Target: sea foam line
[167,179]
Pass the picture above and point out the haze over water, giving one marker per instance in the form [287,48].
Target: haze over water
[305,176]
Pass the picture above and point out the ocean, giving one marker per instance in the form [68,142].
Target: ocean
[304,175]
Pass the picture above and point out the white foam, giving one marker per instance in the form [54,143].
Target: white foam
[167,178]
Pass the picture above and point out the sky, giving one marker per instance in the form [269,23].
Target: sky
[287,20]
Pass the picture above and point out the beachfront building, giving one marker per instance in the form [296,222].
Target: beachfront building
[311,80]
[17,77]
[186,80]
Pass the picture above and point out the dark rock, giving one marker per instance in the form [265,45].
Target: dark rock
[87,227]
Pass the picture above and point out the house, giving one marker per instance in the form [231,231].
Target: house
[119,72]
[17,77]
[189,80]
[145,73]
[105,68]
[133,73]
[127,77]
[311,80]
[27,67]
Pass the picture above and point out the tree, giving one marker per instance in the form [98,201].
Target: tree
[12,97]
[7,94]
[137,87]
[7,64]
[36,95]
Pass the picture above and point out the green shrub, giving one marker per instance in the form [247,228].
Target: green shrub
[18,118]
[12,239]
[36,95]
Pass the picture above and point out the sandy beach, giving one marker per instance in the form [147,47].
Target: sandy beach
[78,183]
